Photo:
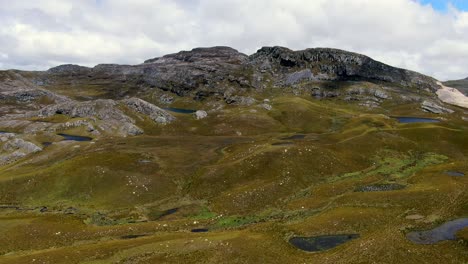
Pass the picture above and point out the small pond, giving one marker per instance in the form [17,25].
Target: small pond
[74,138]
[180,110]
[131,236]
[455,173]
[294,137]
[321,243]
[46,144]
[282,144]
[199,230]
[407,119]
[168,212]
[446,231]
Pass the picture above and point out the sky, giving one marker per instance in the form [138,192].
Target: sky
[428,36]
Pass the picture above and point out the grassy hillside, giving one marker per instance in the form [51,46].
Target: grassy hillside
[240,174]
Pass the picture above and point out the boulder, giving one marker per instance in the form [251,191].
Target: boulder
[432,107]
[155,113]
[22,145]
[266,106]
[130,130]
[200,114]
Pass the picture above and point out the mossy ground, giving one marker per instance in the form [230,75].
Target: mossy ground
[224,173]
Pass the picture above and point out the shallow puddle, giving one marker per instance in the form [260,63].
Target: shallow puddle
[131,236]
[455,173]
[180,110]
[199,230]
[74,138]
[168,212]
[294,137]
[446,231]
[321,243]
[407,119]
[282,144]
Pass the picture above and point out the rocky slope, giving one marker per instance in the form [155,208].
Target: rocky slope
[461,85]
[203,72]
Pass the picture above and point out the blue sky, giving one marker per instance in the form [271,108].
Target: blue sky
[442,5]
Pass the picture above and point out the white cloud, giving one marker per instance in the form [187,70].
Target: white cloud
[37,34]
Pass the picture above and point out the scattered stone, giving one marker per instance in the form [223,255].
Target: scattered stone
[166,99]
[240,100]
[381,94]
[267,107]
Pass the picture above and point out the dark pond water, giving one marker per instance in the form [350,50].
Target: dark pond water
[321,243]
[199,230]
[446,231]
[180,110]
[168,212]
[294,137]
[46,144]
[282,144]
[74,138]
[380,187]
[407,119]
[131,236]
[455,173]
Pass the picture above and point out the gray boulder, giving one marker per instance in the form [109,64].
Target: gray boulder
[432,107]
[130,130]
[155,113]
[200,114]
[20,144]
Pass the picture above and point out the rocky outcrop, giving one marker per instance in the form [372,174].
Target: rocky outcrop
[15,148]
[155,113]
[432,107]
[103,109]
[20,144]
[239,100]
[452,96]
[332,64]
[204,72]
[104,114]
[130,130]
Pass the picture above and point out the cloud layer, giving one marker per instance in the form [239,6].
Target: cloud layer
[38,34]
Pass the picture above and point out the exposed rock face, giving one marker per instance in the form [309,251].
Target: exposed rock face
[452,96]
[299,76]
[104,109]
[432,107]
[155,113]
[333,64]
[68,69]
[20,144]
[239,100]
[130,129]
[15,148]
[204,72]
